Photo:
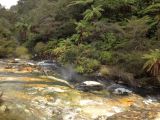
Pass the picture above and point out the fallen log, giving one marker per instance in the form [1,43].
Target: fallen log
[59,80]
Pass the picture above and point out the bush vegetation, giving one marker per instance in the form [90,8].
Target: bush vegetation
[85,33]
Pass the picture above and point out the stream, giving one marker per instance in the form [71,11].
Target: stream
[29,96]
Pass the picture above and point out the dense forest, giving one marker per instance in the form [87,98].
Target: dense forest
[118,38]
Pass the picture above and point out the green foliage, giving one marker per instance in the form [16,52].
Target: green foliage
[22,52]
[94,12]
[80,69]
[40,47]
[115,3]
[110,40]
[136,31]
[130,61]
[22,29]
[70,56]
[152,9]
[87,65]
[7,48]
[62,47]
[84,33]
[152,64]
[105,57]
[80,2]
[84,29]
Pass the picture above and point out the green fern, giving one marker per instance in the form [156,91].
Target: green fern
[152,64]
[93,12]
[152,9]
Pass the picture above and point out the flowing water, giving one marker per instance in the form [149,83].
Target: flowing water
[27,96]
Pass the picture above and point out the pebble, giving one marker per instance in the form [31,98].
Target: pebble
[3,108]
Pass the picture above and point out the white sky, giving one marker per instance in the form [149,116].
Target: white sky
[8,3]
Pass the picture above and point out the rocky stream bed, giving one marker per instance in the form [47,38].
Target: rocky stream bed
[26,95]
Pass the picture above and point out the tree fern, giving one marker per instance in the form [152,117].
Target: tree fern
[93,12]
[152,64]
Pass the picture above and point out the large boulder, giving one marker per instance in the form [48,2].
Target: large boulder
[90,86]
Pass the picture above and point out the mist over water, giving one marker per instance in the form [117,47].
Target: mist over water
[68,72]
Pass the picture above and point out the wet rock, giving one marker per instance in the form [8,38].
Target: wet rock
[33,89]
[52,90]
[42,103]
[122,91]
[4,108]
[90,86]
[57,113]
[158,116]
[31,64]
[25,68]
[73,114]
[45,90]
[103,117]
[16,60]
[8,67]
[40,100]
[27,111]
[119,89]
[117,109]
[150,100]
[48,64]
[57,102]
[137,114]
[67,113]
[90,102]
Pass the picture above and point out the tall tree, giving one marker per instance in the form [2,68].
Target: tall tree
[22,28]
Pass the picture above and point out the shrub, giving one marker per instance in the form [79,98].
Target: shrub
[40,50]
[7,48]
[80,69]
[108,42]
[40,47]
[59,51]
[52,44]
[105,56]
[70,55]
[104,71]
[22,52]
[87,65]
[131,62]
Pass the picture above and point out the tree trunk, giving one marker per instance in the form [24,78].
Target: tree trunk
[158,31]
